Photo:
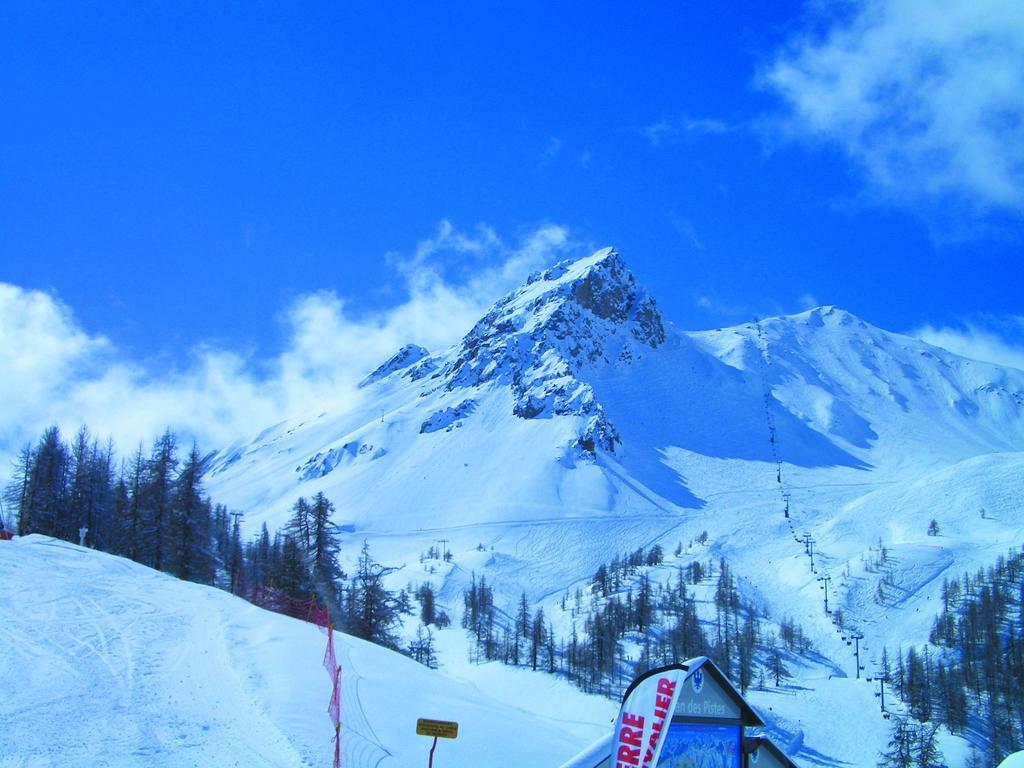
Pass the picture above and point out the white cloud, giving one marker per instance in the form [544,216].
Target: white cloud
[41,346]
[685,227]
[807,301]
[722,311]
[992,340]
[658,132]
[705,125]
[53,371]
[925,96]
[448,240]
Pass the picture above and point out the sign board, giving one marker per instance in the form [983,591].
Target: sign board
[439,729]
[702,744]
[703,697]
[684,715]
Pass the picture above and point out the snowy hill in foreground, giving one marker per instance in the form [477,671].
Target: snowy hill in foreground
[104,662]
[574,423]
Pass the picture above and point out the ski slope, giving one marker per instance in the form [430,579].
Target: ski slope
[108,664]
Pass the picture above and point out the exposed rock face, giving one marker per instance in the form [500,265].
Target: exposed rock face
[543,338]
[403,358]
[542,341]
[449,418]
[324,462]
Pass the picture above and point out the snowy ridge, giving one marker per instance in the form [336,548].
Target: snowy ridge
[860,385]
[402,359]
[583,350]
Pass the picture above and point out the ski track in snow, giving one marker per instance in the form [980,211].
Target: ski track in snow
[360,746]
[107,664]
[123,678]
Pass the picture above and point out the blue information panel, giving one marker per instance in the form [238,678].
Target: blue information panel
[700,745]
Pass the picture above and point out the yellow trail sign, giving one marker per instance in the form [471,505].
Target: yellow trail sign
[443,729]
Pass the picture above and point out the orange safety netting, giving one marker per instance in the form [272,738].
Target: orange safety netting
[309,610]
[322,618]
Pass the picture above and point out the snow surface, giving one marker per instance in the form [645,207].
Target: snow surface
[107,663]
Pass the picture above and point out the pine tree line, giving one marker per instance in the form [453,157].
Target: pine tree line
[299,565]
[912,745]
[970,677]
[151,508]
[626,608]
[522,640]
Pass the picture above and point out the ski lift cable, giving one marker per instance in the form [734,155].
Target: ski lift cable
[764,359]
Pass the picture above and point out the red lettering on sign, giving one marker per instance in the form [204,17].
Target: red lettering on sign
[628,756]
[630,745]
[635,721]
[651,744]
[631,736]
[662,702]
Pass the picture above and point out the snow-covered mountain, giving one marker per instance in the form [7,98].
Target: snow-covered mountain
[573,397]
[575,422]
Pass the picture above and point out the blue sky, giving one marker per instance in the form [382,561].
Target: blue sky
[255,201]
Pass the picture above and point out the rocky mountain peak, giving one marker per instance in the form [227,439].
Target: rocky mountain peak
[599,285]
[577,307]
[542,339]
